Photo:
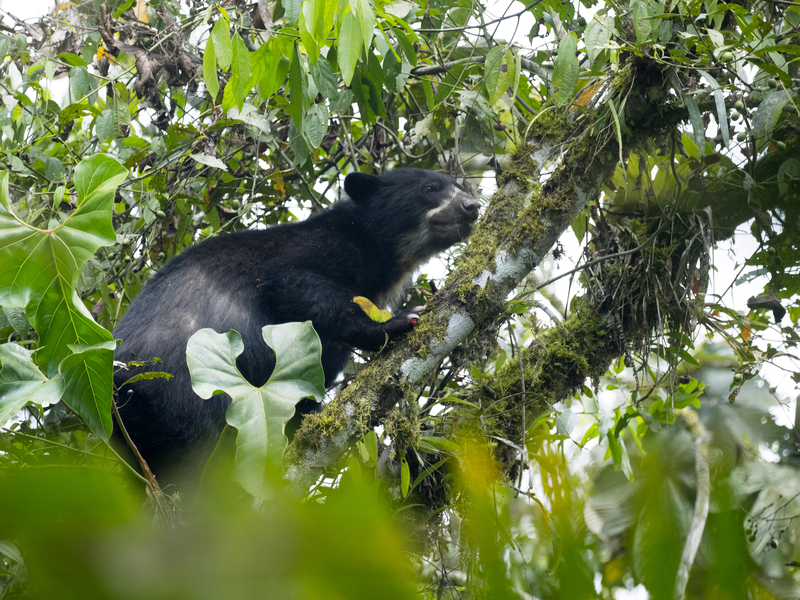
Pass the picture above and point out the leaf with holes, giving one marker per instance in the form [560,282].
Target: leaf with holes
[258,413]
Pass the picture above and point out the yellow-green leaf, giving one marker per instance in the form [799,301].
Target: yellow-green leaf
[372,311]
[371,445]
[222,43]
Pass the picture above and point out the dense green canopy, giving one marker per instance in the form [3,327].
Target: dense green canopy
[527,439]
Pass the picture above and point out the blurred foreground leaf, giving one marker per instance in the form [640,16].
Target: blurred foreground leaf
[95,542]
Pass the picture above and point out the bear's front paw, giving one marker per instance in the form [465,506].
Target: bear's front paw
[412,315]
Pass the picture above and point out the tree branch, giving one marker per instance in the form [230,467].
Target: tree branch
[446,66]
[522,222]
[481,25]
[520,226]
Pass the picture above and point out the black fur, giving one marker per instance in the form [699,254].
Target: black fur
[367,246]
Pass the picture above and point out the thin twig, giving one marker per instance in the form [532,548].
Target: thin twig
[157,493]
[400,143]
[481,25]
[314,200]
[348,135]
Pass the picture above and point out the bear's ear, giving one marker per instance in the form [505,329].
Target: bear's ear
[361,187]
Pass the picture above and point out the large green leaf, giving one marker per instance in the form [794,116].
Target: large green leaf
[292,8]
[222,43]
[240,71]
[642,22]
[89,384]
[269,68]
[597,35]
[500,73]
[21,382]
[315,124]
[307,38]
[78,83]
[210,70]
[766,116]
[40,268]
[318,15]
[565,73]
[104,125]
[298,89]
[259,414]
[350,43]
[366,19]
[115,116]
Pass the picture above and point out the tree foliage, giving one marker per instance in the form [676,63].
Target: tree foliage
[537,442]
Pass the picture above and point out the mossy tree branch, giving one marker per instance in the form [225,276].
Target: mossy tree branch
[522,222]
[560,360]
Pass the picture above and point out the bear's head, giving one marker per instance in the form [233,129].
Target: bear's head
[420,212]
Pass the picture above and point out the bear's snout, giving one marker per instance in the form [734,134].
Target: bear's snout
[470,208]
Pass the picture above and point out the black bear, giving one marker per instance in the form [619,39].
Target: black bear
[367,246]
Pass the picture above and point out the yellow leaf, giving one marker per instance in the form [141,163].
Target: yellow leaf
[587,94]
[277,184]
[103,53]
[373,312]
[140,10]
